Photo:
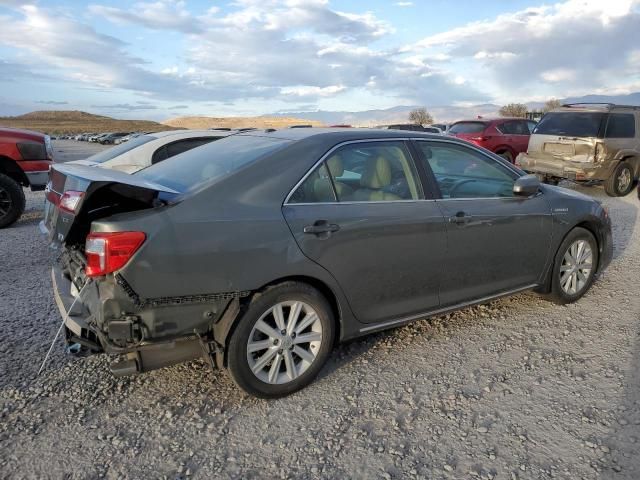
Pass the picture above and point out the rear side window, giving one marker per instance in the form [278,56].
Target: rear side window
[362,172]
[515,127]
[212,161]
[621,125]
[467,127]
[572,124]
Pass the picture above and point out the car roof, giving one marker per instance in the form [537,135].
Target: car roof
[191,133]
[340,134]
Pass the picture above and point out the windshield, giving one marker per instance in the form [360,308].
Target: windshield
[467,127]
[113,152]
[190,169]
[571,124]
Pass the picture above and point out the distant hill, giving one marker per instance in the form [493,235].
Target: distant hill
[238,122]
[75,121]
[630,99]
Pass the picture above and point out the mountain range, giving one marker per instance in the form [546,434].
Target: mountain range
[445,114]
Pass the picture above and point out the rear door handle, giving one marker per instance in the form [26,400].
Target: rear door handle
[321,226]
[460,218]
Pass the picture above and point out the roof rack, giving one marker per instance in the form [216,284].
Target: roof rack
[608,106]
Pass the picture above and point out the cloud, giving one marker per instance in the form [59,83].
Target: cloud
[125,107]
[160,15]
[403,4]
[572,46]
[51,102]
[178,107]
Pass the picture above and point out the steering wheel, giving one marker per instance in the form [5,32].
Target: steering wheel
[455,187]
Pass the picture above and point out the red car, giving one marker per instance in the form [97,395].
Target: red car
[25,157]
[506,137]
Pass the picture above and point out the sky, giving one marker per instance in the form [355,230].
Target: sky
[167,58]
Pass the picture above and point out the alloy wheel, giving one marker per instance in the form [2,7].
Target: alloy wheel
[577,267]
[5,203]
[284,342]
[624,180]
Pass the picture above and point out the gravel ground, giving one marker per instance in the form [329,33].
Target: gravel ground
[516,389]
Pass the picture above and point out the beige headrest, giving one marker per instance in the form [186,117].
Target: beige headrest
[377,173]
[336,165]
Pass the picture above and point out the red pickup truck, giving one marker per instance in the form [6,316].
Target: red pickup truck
[25,157]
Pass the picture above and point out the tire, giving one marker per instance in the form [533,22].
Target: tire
[559,293]
[621,180]
[293,372]
[507,156]
[12,201]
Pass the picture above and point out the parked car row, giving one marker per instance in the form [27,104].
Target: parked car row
[234,250]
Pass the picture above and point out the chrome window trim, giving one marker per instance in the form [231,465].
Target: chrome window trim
[402,139]
[333,149]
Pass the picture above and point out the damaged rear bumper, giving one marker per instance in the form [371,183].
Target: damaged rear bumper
[106,317]
[562,168]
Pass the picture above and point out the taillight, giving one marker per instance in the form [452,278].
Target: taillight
[480,139]
[600,152]
[108,252]
[70,201]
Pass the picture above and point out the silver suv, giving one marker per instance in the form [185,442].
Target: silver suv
[586,142]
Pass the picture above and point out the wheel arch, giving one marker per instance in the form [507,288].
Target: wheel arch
[592,227]
[316,283]
[9,168]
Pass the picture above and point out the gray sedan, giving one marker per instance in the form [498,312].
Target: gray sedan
[262,250]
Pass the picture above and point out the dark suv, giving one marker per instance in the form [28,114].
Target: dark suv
[506,137]
[25,157]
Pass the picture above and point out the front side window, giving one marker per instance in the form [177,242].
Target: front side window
[621,125]
[462,172]
[362,172]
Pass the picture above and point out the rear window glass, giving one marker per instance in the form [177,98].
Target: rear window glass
[621,125]
[467,127]
[113,152]
[209,162]
[571,124]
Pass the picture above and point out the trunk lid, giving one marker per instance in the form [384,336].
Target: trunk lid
[104,193]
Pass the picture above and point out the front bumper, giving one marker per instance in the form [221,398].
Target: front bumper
[560,168]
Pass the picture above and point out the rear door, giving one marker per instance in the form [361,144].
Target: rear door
[496,242]
[362,215]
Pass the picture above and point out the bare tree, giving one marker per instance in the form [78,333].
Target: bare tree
[550,105]
[514,110]
[420,116]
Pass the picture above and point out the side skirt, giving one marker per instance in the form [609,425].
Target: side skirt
[432,313]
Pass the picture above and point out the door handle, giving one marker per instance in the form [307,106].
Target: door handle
[321,227]
[460,218]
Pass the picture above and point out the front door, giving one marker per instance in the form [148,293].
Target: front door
[496,241]
[362,215]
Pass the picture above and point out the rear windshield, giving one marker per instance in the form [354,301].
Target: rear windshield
[113,152]
[571,124]
[467,127]
[209,162]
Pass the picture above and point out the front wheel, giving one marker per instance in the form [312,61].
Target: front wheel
[12,201]
[507,156]
[282,341]
[620,182]
[574,266]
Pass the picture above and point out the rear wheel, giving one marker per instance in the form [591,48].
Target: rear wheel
[620,182]
[12,201]
[575,265]
[282,341]
[507,156]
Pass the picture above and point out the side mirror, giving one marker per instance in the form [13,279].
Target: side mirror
[526,185]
